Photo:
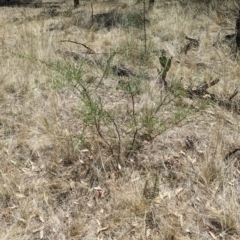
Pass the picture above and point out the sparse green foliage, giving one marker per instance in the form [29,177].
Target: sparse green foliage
[66,76]
[177,88]
[144,123]
[107,68]
[132,86]
[133,18]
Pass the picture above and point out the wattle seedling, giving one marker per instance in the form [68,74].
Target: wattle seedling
[165,64]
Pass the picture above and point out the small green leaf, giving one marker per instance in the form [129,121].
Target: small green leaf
[162,58]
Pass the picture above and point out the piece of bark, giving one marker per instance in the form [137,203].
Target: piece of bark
[231,153]
[76,3]
[121,71]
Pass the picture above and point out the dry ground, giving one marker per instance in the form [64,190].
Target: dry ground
[69,167]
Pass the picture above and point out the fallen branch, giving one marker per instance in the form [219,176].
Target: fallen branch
[228,104]
[233,95]
[92,59]
[202,90]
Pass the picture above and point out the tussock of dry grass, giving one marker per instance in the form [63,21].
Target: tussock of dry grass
[60,179]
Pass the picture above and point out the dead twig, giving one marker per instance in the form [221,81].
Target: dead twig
[89,50]
[193,43]
[231,153]
[233,95]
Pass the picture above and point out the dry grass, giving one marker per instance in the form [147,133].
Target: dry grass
[85,154]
